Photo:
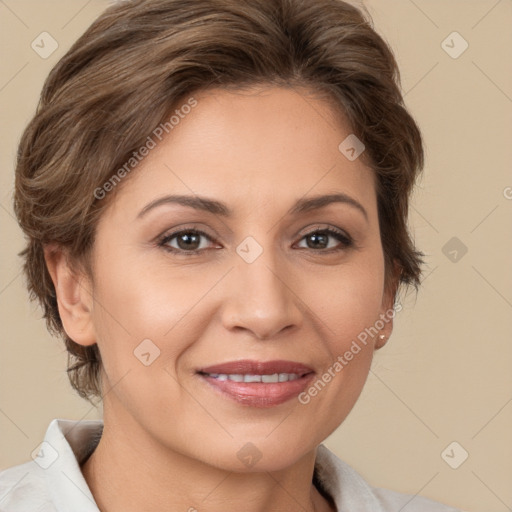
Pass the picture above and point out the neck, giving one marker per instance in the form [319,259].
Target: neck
[130,471]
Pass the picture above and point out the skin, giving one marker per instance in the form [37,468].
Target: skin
[258,151]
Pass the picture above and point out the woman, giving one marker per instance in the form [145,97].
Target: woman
[215,196]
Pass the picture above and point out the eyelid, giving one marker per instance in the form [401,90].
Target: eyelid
[163,239]
[327,227]
[344,239]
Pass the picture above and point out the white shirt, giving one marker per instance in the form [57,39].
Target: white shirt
[53,481]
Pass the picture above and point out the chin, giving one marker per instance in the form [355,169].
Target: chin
[258,454]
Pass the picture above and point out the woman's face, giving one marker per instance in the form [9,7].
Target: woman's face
[244,272]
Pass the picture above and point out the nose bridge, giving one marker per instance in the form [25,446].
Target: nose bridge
[262,301]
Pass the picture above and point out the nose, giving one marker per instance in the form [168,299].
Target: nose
[261,298]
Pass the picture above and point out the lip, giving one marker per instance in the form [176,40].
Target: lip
[258,394]
[258,367]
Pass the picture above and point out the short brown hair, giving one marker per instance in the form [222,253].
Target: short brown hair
[129,70]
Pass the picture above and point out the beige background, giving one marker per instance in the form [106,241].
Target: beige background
[445,375]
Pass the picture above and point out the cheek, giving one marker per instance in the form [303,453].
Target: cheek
[349,316]
[347,307]
[146,321]
[136,302]
[349,300]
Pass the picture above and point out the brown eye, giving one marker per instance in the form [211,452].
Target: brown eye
[326,239]
[189,240]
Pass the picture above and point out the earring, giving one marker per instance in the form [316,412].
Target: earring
[382,337]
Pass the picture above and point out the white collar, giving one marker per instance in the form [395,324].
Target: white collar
[73,441]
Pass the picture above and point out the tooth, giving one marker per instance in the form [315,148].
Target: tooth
[252,378]
[236,377]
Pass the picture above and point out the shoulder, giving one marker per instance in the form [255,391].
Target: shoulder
[23,489]
[351,492]
[53,479]
[393,501]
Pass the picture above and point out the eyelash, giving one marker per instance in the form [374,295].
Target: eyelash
[345,241]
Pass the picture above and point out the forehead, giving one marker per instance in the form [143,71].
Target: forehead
[259,146]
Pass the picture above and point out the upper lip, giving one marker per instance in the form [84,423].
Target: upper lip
[247,366]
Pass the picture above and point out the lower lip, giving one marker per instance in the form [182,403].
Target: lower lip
[259,394]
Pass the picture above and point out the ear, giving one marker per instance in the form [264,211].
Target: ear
[387,312]
[74,296]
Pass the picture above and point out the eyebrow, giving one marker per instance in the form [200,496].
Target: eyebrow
[216,207]
[317,202]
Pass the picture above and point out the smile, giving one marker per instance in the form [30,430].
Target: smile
[238,377]
[257,383]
